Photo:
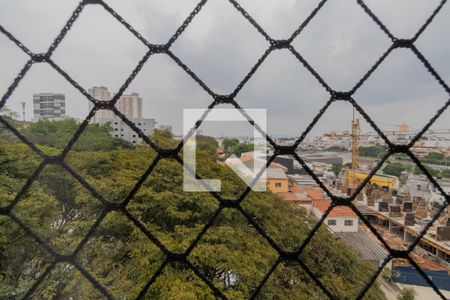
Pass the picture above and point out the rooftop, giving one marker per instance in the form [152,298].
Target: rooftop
[338,211]
[259,163]
[367,247]
[275,173]
[316,193]
[298,197]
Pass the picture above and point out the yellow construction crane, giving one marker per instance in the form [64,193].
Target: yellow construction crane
[355,151]
[355,175]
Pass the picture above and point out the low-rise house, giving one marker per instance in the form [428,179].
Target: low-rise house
[340,218]
[299,198]
[277,181]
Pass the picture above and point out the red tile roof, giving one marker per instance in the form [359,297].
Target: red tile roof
[248,158]
[295,198]
[315,193]
[338,211]
[288,196]
[297,189]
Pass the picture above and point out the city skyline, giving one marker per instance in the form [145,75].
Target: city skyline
[293,96]
[226,129]
[128,104]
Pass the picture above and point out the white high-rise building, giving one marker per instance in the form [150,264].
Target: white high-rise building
[122,131]
[50,106]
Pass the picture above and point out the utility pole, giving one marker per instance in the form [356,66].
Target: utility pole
[355,142]
[23,111]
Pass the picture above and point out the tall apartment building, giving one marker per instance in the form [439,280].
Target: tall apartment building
[51,106]
[100,93]
[128,105]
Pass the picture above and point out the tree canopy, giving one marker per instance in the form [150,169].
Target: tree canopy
[57,134]
[372,151]
[231,254]
[435,156]
[207,144]
[395,168]
[336,148]
[407,294]
[233,146]
[336,168]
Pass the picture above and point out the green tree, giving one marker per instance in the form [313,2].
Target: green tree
[430,170]
[57,134]
[336,149]
[207,144]
[229,143]
[164,139]
[11,117]
[8,113]
[407,294]
[373,151]
[445,173]
[395,169]
[435,156]
[336,168]
[233,146]
[231,254]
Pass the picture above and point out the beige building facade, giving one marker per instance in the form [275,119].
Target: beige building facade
[129,105]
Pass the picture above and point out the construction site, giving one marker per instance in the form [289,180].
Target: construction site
[399,206]
[399,209]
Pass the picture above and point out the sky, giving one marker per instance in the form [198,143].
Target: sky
[341,43]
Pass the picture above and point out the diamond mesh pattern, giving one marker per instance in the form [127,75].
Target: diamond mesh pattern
[274,45]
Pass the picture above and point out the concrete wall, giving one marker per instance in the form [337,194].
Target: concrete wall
[340,224]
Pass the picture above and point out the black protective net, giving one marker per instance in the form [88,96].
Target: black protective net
[109,207]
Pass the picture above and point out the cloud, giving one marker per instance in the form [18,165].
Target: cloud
[220,46]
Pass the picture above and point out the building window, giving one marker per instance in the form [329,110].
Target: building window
[331,222]
[277,184]
[348,223]
[116,135]
[134,135]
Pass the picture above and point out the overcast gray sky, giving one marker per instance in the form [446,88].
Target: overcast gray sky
[220,46]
